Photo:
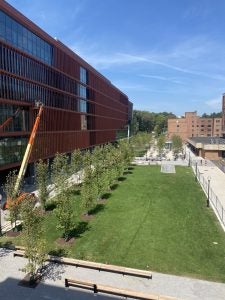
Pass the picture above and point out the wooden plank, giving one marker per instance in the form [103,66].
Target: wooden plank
[95,266]
[126,293]
[19,253]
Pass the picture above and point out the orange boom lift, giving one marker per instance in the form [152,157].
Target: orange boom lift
[25,161]
[4,124]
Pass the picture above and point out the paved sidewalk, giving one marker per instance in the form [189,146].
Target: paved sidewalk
[52,286]
[208,172]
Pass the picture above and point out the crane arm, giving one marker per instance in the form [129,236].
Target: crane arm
[28,151]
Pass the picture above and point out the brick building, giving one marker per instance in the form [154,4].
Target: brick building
[82,108]
[192,125]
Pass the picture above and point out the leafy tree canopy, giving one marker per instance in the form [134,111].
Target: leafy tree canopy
[150,121]
[213,115]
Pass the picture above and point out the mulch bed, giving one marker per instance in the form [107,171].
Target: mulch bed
[25,282]
[86,217]
[102,201]
[62,242]
[13,233]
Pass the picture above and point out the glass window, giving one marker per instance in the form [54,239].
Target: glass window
[82,91]
[83,75]
[20,37]
[83,106]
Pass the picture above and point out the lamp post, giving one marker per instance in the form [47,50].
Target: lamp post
[189,159]
[209,178]
[0,214]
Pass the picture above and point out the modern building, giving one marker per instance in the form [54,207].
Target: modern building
[82,108]
[192,125]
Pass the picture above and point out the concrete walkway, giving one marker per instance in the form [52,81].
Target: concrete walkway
[209,174]
[52,286]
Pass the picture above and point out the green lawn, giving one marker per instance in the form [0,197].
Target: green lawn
[153,221]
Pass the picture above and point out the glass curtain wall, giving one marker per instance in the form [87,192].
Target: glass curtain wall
[83,90]
[20,37]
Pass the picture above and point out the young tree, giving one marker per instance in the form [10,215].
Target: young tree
[42,181]
[127,152]
[89,190]
[118,162]
[13,204]
[161,143]
[32,235]
[64,213]
[99,170]
[177,144]
[60,172]
[76,162]
[110,170]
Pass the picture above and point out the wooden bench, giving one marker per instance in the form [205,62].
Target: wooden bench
[93,265]
[19,253]
[20,248]
[81,284]
[99,288]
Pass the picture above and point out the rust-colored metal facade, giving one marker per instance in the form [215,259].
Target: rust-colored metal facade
[81,107]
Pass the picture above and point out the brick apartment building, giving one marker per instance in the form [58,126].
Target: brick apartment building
[82,108]
[192,125]
[223,115]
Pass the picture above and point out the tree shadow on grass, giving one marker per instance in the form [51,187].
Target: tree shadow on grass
[131,168]
[114,186]
[122,178]
[79,229]
[60,252]
[96,209]
[8,245]
[106,196]
[127,172]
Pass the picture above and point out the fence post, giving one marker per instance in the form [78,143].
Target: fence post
[196,170]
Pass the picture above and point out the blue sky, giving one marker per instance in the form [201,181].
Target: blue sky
[166,55]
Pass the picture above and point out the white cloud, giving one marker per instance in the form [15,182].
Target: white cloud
[215,104]
[161,78]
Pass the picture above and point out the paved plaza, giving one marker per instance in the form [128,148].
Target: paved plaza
[52,286]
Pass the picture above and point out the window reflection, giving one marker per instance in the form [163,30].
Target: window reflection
[20,37]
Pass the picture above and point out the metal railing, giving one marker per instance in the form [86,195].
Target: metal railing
[212,198]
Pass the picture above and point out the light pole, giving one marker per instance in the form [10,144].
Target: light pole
[189,159]
[0,214]
[177,126]
[209,178]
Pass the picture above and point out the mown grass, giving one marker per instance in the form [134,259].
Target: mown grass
[152,221]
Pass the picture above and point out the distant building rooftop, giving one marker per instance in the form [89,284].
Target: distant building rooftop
[208,140]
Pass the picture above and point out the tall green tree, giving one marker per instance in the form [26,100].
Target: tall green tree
[149,121]
[177,144]
[32,236]
[42,182]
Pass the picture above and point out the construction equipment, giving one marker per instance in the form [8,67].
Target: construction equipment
[24,164]
[9,119]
